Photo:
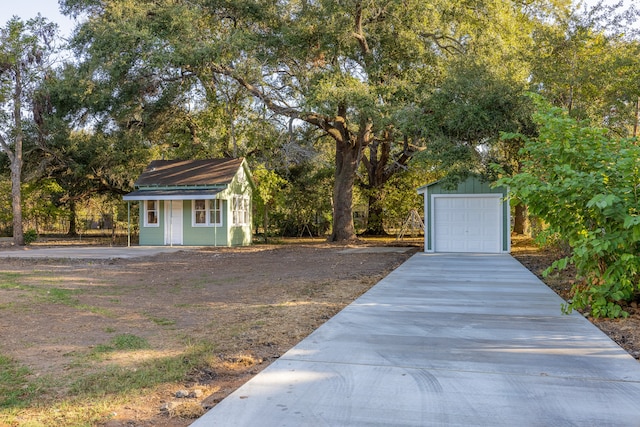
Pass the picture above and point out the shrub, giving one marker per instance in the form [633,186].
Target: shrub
[30,236]
[586,186]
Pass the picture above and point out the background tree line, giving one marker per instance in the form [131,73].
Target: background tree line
[338,106]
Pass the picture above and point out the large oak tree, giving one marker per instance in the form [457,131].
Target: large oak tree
[355,70]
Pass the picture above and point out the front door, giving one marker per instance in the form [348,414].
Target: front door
[173,222]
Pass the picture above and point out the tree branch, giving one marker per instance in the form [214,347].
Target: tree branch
[320,121]
[455,45]
[359,33]
[401,162]
[6,149]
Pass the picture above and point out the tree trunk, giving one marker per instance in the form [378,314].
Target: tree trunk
[16,164]
[346,165]
[375,217]
[73,224]
[377,178]
[520,219]
[16,198]
[520,213]
[637,118]
[265,223]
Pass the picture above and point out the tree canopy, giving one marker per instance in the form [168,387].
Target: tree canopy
[355,71]
[24,52]
[369,91]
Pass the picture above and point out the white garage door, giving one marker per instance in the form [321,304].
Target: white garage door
[466,224]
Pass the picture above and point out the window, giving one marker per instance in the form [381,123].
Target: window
[215,213]
[241,210]
[206,213]
[151,213]
[200,212]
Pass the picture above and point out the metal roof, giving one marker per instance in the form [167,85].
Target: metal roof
[177,194]
[161,173]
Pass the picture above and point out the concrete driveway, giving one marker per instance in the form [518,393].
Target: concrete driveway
[446,340]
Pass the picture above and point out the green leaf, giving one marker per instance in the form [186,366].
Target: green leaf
[631,220]
[561,264]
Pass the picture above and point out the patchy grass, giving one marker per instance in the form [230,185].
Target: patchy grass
[91,398]
[16,390]
[98,343]
[10,281]
[62,296]
[121,380]
[123,342]
[119,344]
[43,293]
[161,321]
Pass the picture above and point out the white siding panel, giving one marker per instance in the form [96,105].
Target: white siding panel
[467,224]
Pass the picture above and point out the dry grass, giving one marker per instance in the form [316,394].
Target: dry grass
[122,337]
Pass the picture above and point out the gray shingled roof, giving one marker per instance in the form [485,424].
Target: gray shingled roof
[189,172]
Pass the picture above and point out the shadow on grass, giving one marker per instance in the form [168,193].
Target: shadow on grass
[90,398]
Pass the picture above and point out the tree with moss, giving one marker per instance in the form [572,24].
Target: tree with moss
[25,48]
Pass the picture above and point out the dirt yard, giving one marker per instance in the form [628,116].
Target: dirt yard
[246,306]
[234,310]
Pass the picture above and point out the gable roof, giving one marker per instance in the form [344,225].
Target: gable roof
[189,172]
[473,183]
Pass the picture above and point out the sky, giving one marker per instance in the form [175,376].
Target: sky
[27,9]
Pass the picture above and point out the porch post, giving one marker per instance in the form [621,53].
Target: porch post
[128,223]
[171,223]
[215,226]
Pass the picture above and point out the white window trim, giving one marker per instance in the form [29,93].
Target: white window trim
[146,213]
[208,211]
[241,211]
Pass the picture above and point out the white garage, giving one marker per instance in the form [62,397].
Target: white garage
[472,217]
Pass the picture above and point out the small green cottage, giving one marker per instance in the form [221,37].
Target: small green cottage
[472,217]
[194,202]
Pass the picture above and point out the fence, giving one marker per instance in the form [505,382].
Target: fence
[85,225]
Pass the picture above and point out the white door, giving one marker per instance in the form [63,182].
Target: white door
[173,222]
[467,224]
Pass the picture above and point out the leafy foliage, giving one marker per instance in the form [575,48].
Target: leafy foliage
[466,115]
[30,236]
[24,53]
[585,185]
[351,70]
[303,205]
[385,81]
[587,62]
[399,195]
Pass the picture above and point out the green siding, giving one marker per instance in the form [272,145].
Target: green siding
[240,236]
[152,236]
[224,235]
[205,236]
[471,185]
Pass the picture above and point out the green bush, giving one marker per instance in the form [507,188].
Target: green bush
[585,185]
[30,236]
